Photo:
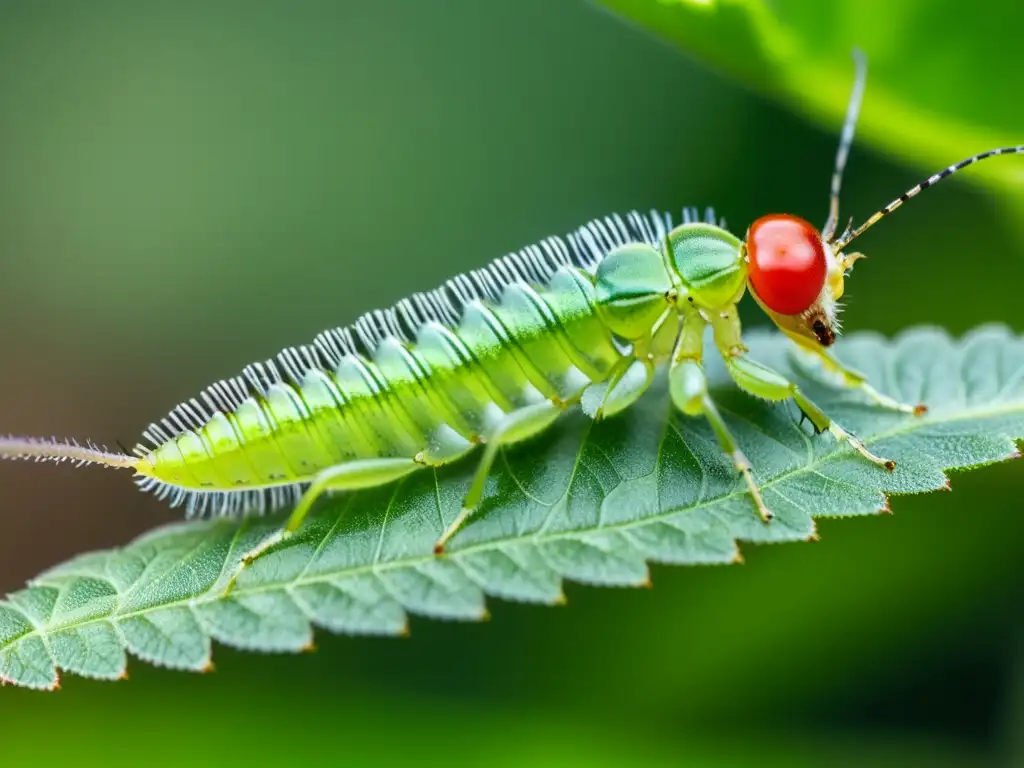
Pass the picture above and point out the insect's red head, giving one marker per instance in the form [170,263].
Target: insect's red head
[795,276]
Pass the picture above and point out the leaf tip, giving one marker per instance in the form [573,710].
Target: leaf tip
[207,668]
[560,598]
[403,631]
[485,615]
[885,509]
[737,559]
[813,536]
[309,647]
[646,583]
[123,675]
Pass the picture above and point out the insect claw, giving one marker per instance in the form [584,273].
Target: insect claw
[743,467]
[841,434]
[920,409]
[452,529]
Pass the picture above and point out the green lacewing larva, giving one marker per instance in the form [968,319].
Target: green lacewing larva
[494,356]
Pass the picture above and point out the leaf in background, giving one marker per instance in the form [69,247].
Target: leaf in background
[586,502]
[938,86]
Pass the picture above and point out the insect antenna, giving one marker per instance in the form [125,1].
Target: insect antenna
[845,140]
[38,449]
[849,236]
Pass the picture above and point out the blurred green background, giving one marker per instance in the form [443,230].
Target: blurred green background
[186,187]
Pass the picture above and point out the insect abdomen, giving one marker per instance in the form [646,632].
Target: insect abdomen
[431,400]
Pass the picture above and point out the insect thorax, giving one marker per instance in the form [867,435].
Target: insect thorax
[697,261]
[708,261]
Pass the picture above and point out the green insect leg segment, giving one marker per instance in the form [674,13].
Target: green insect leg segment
[627,382]
[517,426]
[688,387]
[351,476]
[762,381]
[856,380]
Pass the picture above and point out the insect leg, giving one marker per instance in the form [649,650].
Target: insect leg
[364,473]
[516,426]
[689,388]
[856,380]
[623,387]
[762,381]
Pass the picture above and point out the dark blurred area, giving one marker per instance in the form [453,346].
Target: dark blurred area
[187,187]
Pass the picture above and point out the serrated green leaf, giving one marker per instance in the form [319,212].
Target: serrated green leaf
[589,502]
[928,102]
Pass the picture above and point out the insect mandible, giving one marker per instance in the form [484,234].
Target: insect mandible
[495,356]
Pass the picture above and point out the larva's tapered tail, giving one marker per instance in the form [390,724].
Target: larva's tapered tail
[38,449]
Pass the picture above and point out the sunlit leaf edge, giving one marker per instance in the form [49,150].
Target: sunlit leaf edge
[763,53]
